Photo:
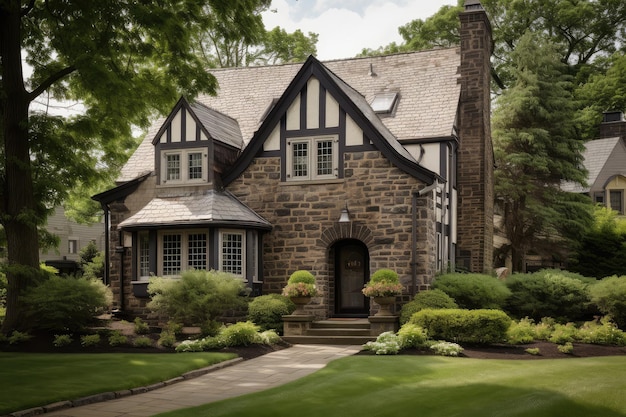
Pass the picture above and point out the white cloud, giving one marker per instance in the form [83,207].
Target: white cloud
[346,27]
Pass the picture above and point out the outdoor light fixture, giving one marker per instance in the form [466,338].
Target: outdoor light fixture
[345,215]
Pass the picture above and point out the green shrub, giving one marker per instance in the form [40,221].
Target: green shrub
[116,338]
[412,336]
[302,276]
[385,275]
[141,327]
[544,328]
[426,299]
[533,351]
[240,334]
[547,295]
[190,346]
[446,348]
[142,342]
[66,304]
[210,328]
[17,337]
[474,291]
[521,332]
[175,328]
[268,337]
[167,339]
[564,333]
[387,343]
[457,325]
[567,348]
[267,311]
[61,340]
[603,333]
[90,340]
[609,295]
[197,297]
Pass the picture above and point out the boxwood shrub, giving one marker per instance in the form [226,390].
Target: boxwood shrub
[267,311]
[426,299]
[482,326]
[473,291]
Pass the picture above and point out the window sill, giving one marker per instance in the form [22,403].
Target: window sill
[314,182]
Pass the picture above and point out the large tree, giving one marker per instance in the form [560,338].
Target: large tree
[536,147]
[123,61]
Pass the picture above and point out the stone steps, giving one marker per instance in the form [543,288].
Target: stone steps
[335,332]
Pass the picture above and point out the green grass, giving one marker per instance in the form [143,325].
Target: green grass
[33,379]
[431,386]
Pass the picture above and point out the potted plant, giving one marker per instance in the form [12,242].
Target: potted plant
[300,288]
[383,287]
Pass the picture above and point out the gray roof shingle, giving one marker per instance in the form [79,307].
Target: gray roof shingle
[595,156]
[212,207]
[427,83]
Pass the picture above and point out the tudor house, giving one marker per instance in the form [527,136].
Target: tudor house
[341,168]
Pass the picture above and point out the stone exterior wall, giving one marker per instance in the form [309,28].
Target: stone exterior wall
[475,158]
[305,218]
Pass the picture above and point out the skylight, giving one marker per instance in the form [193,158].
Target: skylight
[384,102]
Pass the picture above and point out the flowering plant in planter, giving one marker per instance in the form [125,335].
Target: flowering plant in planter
[382,289]
[383,283]
[301,284]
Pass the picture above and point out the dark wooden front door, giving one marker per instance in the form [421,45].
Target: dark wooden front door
[351,273]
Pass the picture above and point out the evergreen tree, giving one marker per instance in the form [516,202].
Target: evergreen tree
[536,147]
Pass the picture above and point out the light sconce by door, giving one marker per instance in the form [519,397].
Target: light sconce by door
[345,215]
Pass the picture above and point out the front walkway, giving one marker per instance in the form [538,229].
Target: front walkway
[267,371]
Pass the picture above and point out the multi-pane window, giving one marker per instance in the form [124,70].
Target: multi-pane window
[182,166]
[172,254]
[312,158]
[195,165]
[617,200]
[173,167]
[232,252]
[325,157]
[72,246]
[197,249]
[144,255]
[300,155]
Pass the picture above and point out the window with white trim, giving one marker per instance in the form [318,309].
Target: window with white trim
[312,158]
[144,256]
[232,252]
[182,250]
[183,166]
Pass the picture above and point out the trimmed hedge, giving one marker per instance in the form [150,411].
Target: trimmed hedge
[473,291]
[466,326]
[610,297]
[426,299]
[267,311]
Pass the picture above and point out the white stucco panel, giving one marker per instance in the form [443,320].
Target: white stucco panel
[332,111]
[190,128]
[293,115]
[176,128]
[272,143]
[428,155]
[313,104]
[354,134]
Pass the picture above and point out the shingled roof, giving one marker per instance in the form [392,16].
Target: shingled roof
[427,84]
[596,155]
[212,207]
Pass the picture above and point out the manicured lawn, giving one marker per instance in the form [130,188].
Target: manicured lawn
[432,386]
[33,379]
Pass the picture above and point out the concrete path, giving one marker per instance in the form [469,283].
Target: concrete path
[267,371]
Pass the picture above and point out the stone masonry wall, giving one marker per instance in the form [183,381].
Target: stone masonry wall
[304,215]
[475,172]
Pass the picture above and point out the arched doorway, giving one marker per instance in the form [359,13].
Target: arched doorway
[351,274]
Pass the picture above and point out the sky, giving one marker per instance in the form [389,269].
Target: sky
[345,27]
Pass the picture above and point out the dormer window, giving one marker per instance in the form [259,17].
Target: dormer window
[184,166]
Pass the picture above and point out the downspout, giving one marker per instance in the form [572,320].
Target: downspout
[120,249]
[414,244]
[107,246]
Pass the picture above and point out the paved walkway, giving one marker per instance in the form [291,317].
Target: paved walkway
[267,371]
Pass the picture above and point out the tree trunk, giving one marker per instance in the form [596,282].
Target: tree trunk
[18,204]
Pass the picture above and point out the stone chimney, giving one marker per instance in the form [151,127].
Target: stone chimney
[475,155]
[613,125]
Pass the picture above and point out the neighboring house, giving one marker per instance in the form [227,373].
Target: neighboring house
[73,238]
[341,168]
[605,161]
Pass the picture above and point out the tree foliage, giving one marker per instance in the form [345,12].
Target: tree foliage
[123,62]
[536,147]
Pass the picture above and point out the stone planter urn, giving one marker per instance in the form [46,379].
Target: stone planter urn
[300,302]
[385,304]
